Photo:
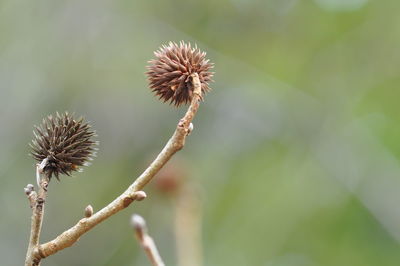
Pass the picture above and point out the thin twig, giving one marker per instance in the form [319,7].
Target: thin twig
[37,203]
[146,241]
[175,143]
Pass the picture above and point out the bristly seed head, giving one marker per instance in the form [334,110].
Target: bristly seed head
[169,74]
[65,142]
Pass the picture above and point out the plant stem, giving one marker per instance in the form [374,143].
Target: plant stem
[37,217]
[175,143]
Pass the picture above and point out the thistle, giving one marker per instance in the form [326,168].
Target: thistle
[66,143]
[169,73]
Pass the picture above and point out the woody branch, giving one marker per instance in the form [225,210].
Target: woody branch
[133,192]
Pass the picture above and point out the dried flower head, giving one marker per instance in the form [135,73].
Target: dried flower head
[169,73]
[66,143]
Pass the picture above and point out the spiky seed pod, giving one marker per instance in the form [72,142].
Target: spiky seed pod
[169,72]
[65,142]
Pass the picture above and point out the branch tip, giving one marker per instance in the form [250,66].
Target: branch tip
[139,224]
[146,241]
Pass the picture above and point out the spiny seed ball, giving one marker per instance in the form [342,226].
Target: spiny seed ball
[65,142]
[169,72]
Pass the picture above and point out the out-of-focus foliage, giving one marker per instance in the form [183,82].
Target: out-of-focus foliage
[296,150]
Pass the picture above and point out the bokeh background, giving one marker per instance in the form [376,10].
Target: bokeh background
[294,157]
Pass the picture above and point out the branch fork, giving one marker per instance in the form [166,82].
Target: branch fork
[36,252]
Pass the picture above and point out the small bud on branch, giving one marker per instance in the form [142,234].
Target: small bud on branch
[88,211]
[29,189]
[140,195]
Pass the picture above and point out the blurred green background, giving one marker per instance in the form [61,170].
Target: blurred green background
[294,157]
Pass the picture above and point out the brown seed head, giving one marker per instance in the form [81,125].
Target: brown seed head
[169,73]
[65,142]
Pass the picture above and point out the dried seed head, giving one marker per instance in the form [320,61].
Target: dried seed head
[169,73]
[65,142]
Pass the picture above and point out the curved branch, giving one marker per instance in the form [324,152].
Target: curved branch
[175,143]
